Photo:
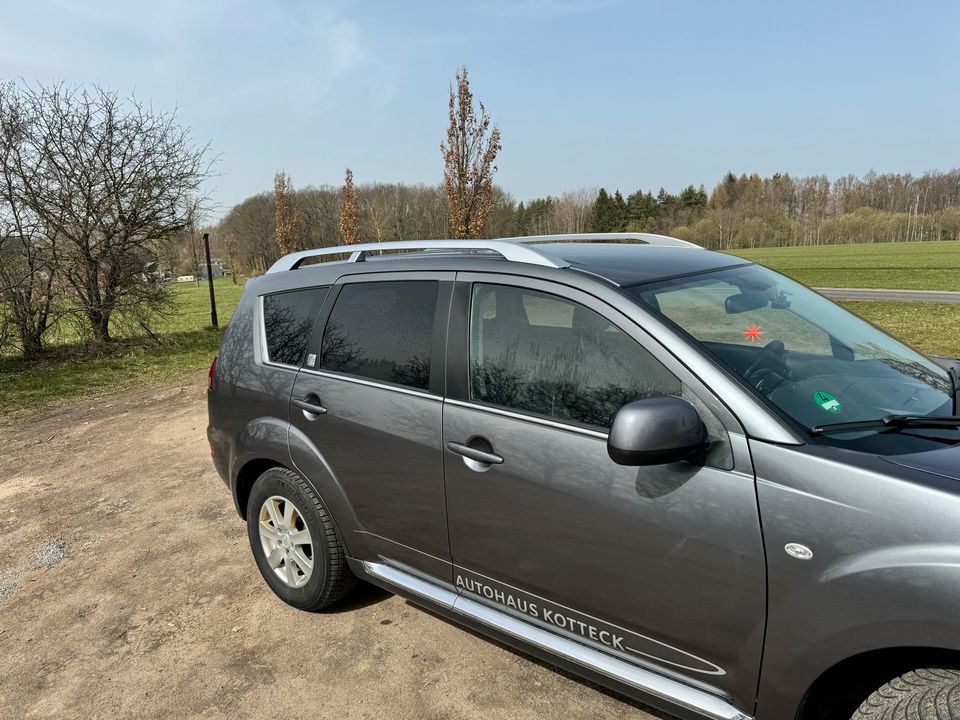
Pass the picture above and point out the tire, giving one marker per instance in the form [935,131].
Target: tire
[927,694]
[295,543]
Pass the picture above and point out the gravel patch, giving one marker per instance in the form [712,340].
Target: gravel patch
[49,554]
[8,582]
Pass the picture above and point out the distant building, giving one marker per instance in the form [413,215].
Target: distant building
[151,272]
[216,269]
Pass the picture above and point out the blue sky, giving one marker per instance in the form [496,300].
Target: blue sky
[586,92]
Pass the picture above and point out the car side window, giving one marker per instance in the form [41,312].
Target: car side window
[288,319]
[543,354]
[382,331]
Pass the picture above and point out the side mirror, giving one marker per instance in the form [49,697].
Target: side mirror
[655,431]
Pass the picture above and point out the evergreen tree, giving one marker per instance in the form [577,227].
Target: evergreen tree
[641,211]
[620,223]
[538,211]
[605,214]
[520,220]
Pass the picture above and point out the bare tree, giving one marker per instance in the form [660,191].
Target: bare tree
[111,180]
[27,250]
[349,215]
[288,229]
[252,223]
[468,155]
[230,251]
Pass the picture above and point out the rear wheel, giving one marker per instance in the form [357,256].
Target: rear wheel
[927,694]
[294,542]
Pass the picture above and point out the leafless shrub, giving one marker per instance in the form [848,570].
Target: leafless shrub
[468,155]
[287,224]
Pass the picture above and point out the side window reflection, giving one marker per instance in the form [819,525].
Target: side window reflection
[288,321]
[382,331]
[540,353]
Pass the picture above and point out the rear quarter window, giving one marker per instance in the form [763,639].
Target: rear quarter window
[288,320]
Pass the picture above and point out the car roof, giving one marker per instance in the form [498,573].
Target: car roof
[618,259]
[629,263]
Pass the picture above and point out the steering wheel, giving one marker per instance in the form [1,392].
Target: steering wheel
[770,358]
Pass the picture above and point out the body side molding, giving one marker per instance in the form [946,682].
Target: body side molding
[647,682]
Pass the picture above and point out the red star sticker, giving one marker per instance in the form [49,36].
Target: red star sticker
[753,333]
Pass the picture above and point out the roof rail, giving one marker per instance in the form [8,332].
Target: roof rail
[645,238]
[508,250]
[515,249]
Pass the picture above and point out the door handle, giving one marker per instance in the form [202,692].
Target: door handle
[481,456]
[310,404]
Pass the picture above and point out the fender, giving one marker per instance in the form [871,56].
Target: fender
[893,597]
[263,438]
[883,571]
[307,459]
[274,439]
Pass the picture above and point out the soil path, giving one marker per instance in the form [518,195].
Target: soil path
[127,590]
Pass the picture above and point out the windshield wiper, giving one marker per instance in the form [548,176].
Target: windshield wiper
[891,422]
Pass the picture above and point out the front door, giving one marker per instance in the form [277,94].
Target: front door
[375,380]
[661,565]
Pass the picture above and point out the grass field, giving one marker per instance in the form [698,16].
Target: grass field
[907,266]
[186,343]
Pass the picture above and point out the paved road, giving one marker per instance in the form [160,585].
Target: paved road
[938,296]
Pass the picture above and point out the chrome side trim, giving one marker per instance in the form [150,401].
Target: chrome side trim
[647,682]
[411,583]
[372,383]
[528,418]
[262,332]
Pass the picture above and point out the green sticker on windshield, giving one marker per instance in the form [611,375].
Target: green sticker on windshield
[827,402]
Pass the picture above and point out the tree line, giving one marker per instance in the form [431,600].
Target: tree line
[744,211]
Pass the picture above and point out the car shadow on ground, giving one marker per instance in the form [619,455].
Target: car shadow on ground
[366,594]
[652,712]
[363,595]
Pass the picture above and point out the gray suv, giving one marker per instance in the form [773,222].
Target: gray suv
[672,471]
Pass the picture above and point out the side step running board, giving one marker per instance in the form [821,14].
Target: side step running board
[645,681]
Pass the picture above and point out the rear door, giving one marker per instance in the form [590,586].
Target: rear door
[662,566]
[370,398]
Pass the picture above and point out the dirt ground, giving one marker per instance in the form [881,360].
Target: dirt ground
[127,589]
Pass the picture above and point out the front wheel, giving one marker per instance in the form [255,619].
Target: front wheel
[926,694]
[294,542]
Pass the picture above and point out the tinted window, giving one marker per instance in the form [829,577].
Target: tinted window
[542,354]
[287,322]
[382,331]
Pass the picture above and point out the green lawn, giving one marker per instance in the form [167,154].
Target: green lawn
[931,328]
[185,344]
[908,266]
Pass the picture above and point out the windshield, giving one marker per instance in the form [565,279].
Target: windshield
[813,360]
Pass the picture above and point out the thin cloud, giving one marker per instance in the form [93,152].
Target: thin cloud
[541,8]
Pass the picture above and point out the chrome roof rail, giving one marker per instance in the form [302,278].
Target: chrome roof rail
[508,250]
[637,237]
[517,249]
